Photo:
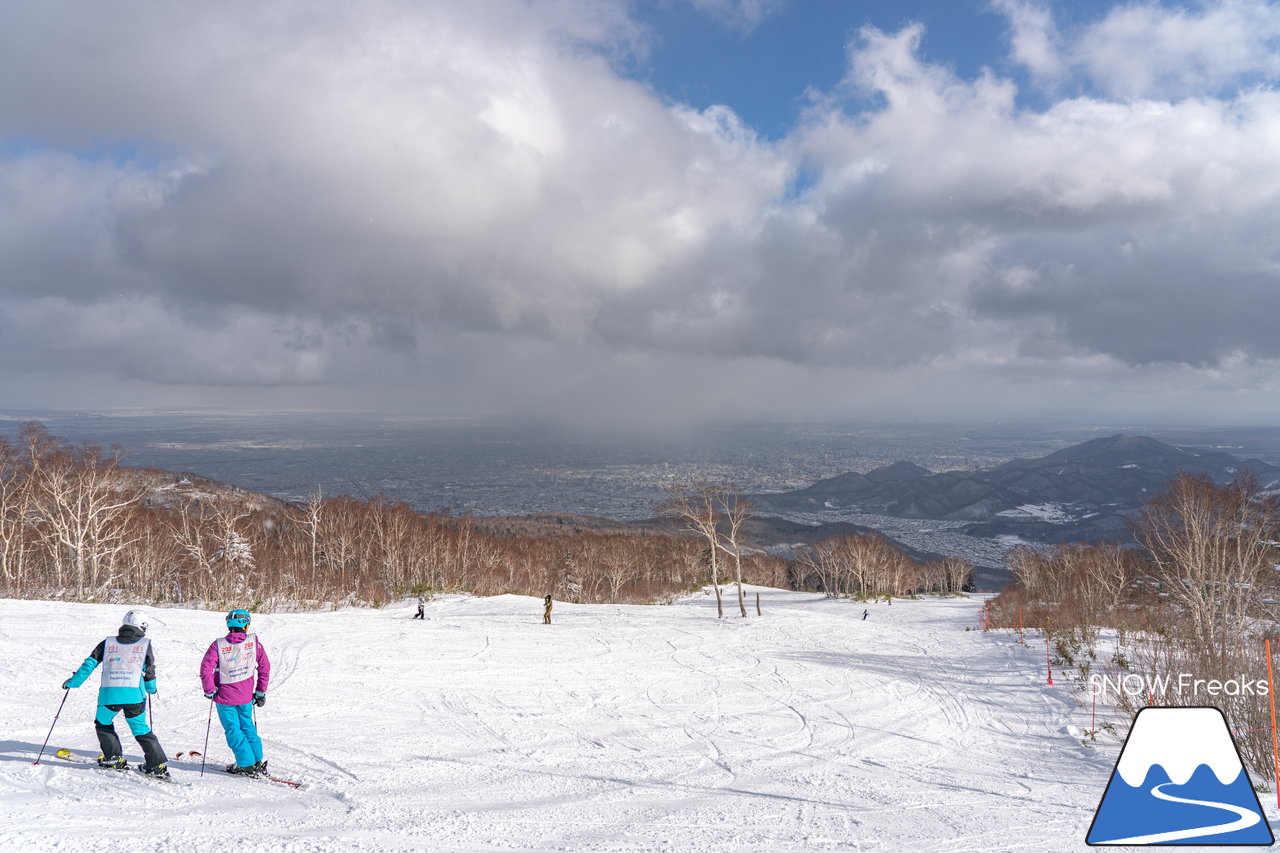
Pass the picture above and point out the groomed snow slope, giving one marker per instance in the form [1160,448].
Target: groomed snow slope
[616,728]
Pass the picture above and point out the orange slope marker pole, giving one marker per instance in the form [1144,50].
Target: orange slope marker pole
[1275,750]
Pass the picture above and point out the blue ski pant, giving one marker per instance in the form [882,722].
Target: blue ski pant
[242,734]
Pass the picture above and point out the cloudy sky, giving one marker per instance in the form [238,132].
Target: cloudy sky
[648,211]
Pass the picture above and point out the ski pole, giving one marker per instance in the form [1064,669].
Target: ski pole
[207,726]
[66,691]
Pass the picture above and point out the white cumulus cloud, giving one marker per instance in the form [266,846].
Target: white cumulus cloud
[468,204]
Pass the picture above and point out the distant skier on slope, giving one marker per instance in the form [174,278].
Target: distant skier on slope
[234,674]
[422,604]
[864,615]
[128,675]
[546,611]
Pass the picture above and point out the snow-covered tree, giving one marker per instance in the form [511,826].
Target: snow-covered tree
[236,552]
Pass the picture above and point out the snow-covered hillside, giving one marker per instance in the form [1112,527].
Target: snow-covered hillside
[616,728]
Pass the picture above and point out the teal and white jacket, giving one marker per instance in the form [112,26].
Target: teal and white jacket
[128,668]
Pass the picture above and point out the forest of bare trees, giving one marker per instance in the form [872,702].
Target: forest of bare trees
[868,565]
[1197,596]
[861,566]
[77,524]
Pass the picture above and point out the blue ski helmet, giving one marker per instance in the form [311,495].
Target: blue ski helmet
[238,619]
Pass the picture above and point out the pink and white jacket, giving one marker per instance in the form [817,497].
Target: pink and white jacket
[237,667]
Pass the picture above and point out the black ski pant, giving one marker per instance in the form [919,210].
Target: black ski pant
[135,716]
[420,615]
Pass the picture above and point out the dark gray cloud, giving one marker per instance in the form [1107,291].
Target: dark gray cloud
[463,206]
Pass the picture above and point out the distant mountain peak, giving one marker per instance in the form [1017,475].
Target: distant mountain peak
[1083,492]
[1129,441]
[898,472]
[1121,443]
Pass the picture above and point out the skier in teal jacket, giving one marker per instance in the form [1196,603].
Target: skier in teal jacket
[128,675]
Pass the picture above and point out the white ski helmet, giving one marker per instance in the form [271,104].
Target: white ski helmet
[137,619]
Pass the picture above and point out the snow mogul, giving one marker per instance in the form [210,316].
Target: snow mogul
[128,676]
[234,675]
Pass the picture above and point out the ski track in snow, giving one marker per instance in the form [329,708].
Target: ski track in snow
[618,728]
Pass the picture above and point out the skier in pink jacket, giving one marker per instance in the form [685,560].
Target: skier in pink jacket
[234,674]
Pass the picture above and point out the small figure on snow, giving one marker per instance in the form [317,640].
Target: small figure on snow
[422,604]
[546,610]
[234,674]
[128,675]
[864,615]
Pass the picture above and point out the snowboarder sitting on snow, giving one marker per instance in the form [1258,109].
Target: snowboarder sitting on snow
[227,675]
[546,611]
[128,669]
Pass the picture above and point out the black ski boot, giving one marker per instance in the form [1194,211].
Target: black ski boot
[160,771]
[117,763]
[237,770]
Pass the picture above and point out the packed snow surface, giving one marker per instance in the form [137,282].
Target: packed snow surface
[617,728]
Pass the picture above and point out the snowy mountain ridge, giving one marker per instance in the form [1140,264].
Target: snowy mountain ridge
[1084,492]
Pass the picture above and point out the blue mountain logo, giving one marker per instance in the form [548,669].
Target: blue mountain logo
[1179,780]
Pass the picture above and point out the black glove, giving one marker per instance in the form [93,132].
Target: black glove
[66,685]
[259,699]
